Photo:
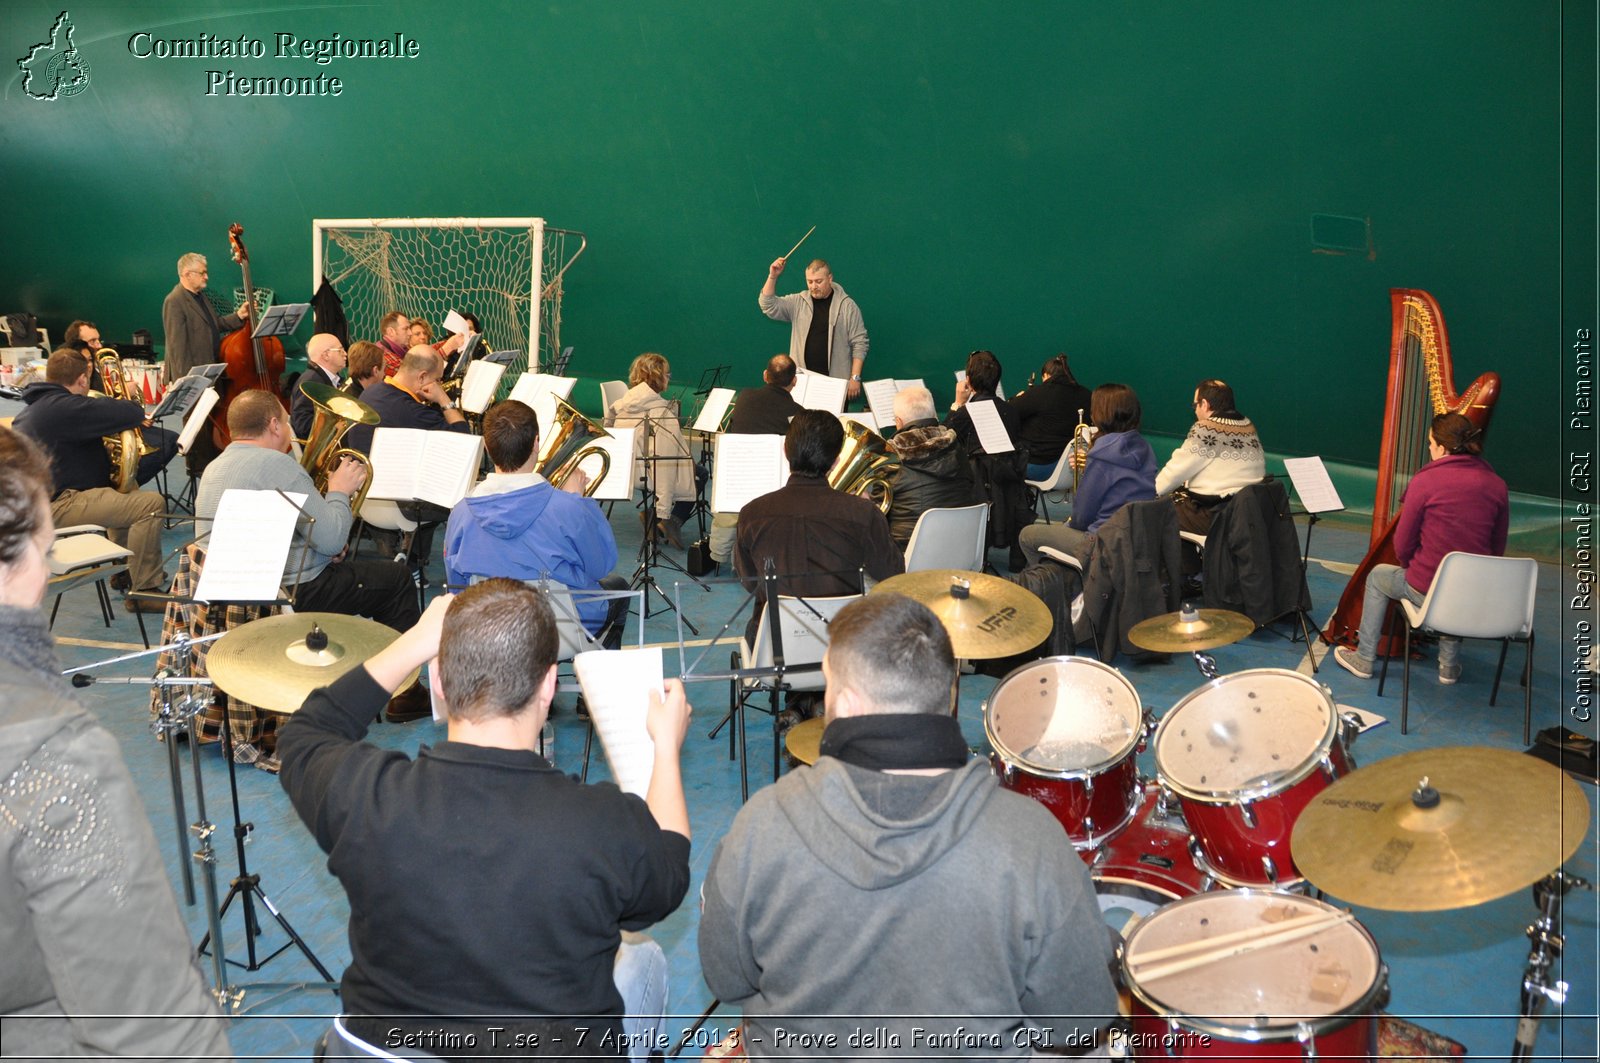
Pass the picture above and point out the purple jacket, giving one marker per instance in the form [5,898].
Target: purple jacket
[1454,503]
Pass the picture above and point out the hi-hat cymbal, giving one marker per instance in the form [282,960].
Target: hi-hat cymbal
[268,663]
[986,616]
[1487,823]
[1191,629]
[804,740]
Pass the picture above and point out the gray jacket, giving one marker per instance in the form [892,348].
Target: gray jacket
[847,335]
[193,332]
[841,892]
[97,960]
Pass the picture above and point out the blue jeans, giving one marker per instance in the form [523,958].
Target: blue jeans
[640,973]
[1387,583]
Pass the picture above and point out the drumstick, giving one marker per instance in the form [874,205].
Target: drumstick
[1247,934]
[803,239]
[1272,936]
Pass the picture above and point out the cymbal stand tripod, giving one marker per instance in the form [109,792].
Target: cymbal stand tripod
[1545,933]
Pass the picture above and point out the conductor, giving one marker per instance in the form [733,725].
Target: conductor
[826,334]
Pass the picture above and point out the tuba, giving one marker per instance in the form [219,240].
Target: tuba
[863,467]
[320,450]
[570,443]
[128,446]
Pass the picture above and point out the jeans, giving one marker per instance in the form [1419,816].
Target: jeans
[640,973]
[1387,583]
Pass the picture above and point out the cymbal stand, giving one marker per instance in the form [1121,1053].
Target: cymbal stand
[1206,663]
[1545,933]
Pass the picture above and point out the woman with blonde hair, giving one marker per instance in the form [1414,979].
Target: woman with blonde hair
[664,461]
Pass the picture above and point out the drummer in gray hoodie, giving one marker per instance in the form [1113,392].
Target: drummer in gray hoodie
[891,899]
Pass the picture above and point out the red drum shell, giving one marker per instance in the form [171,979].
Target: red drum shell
[1148,864]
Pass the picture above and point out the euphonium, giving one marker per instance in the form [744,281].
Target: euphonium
[320,451]
[570,444]
[128,446]
[863,466]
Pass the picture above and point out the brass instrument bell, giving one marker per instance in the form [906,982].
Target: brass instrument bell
[128,446]
[570,443]
[321,453]
[865,466]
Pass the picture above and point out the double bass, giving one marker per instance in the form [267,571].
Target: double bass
[252,363]
[1421,385]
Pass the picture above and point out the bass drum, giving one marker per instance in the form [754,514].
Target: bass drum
[1147,866]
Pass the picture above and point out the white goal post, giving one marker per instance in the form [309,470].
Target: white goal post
[507,271]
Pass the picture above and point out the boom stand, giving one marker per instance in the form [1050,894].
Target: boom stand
[1545,933]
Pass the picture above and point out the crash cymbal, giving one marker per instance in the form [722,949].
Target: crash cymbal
[1191,629]
[804,740]
[986,616]
[268,663]
[1440,828]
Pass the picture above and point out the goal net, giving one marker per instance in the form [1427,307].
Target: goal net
[507,271]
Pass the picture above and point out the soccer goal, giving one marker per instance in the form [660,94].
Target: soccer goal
[507,271]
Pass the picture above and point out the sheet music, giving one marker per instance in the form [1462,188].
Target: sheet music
[1313,485]
[479,386]
[617,684]
[992,434]
[539,391]
[901,385]
[454,322]
[197,419]
[748,466]
[396,455]
[715,410]
[866,419]
[618,483]
[249,546]
[880,399]
[818,391]
[414,463]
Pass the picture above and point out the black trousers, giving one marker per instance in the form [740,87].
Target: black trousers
[377,590]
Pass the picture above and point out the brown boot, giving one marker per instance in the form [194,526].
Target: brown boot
[412,703]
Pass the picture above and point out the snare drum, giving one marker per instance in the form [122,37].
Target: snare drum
[1146,866]
[1245,754]
[1064,732]
[1312,996]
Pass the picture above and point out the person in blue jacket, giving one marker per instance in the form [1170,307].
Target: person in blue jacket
[1121,468]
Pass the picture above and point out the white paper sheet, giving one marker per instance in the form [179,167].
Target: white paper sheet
[1313,484]
[249,546]
[538,392]
[454,322]
[992,434]
[901,385]
[437,467]
[617,684]
[880,399]
[818,391]
[197,419]
[715,410]
[618,484]
[866,419]
[747,466]
[478,388]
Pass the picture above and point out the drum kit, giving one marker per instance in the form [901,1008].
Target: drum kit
[273,663]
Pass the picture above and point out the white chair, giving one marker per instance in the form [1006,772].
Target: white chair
[949,538]
[1475,596]
[1059,481]
[803,635]
[385,513]
[610,392]
[82,554]
[573,638]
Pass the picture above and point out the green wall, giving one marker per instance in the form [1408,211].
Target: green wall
[1133,183]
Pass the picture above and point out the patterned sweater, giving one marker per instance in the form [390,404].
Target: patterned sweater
[1219,456]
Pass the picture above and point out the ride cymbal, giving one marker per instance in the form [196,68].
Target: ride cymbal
[804,740]
[269,663]
[1439,829]
[1191,629]
[985,616]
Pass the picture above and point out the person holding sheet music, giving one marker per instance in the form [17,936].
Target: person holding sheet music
[765,410]
[1221,454]
[999,476]
[664,463]
[258,459]
[826,333]
[1047,415]
[62,418]
[515,524]
[933,470]
[483,881]
[327,358]
[1121,468]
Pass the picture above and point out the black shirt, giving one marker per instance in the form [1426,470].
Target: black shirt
[763,411]
[817,335]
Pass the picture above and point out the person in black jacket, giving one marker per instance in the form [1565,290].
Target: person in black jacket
[766,410]
[1048,413]
[999,476]
[933,472]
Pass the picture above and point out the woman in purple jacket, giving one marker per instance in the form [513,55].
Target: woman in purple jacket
[1454,502]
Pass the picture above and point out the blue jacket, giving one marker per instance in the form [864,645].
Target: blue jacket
[1121,469]
[531,533]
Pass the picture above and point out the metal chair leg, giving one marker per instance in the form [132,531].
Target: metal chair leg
[1527,691]
[1388,619]
[1405,679]
[1494,692]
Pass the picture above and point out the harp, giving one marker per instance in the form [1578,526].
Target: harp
[1421,385]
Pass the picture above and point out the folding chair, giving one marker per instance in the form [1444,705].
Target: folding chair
[83,554]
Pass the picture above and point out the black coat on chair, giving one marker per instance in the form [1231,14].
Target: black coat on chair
[1252,556]
[1133,573]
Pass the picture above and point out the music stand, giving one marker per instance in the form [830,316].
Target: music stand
[280,320]
[1317,494]
[650,556]
[559,366]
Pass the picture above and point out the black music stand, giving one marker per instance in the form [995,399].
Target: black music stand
[650,555]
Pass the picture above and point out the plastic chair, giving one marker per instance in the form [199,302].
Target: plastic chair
[949,538]
[82,554]
[804,638]
[1475,596]
[610,392]
[1060,481]
[385,513]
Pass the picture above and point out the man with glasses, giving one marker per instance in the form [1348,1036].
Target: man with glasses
[1221,454]
[194,337]
[327,357]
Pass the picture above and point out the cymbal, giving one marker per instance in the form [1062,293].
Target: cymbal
[986,616]
[1502,821]
[804,740]
[1191,629]
[267,662]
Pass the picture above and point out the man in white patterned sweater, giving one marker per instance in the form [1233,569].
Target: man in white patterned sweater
[1221,454]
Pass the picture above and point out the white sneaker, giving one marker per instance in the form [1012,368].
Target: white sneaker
[1448,678]
[1347,659]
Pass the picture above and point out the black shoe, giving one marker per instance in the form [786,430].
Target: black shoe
[410,704]
[145,605]
[1018,560]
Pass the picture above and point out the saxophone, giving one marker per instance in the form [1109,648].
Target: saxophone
[128,446]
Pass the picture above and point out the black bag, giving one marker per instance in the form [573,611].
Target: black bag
[699,562]
[24,329]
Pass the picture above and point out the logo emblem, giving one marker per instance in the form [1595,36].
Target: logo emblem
[54,69]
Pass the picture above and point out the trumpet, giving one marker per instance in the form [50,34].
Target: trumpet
[865,466]
[570,443]
[128,446]
[1082,440]
[320,450]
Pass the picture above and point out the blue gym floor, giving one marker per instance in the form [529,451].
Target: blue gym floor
[1455,972]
